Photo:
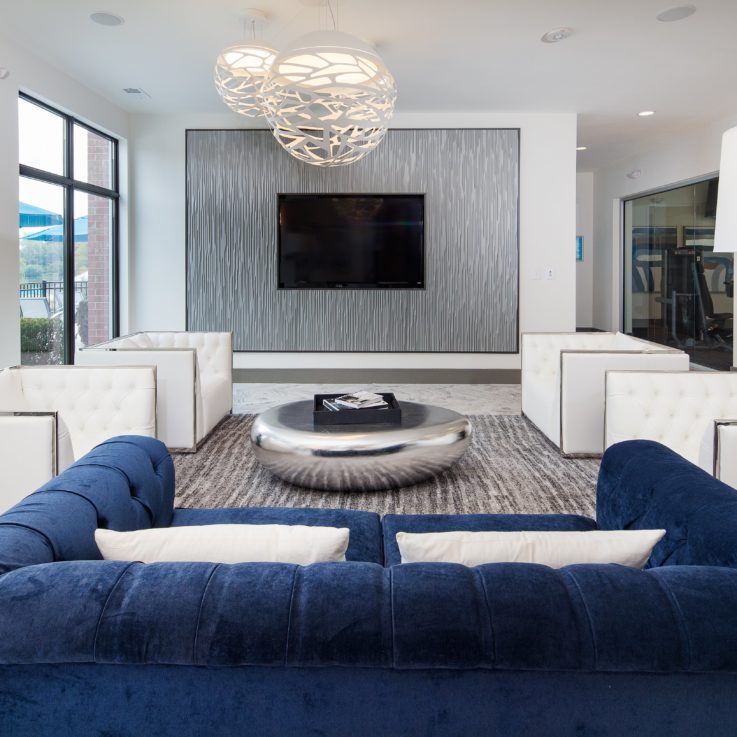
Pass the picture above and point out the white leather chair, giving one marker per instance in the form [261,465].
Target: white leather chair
[194,374]
[694,413]
[52,415]
[563,382]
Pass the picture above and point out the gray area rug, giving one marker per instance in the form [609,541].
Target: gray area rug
[510,467]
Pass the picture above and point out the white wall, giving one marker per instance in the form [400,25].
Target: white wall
[34,76]
[688,155]
[585,268]
[547,231]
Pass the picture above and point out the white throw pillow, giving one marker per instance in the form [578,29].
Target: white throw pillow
[554,549]
[298,544]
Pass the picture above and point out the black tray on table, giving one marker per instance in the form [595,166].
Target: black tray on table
[392,415]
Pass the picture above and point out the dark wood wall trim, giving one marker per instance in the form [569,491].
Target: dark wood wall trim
[376,376]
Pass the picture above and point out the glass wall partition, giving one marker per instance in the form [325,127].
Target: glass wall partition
[676,290]
[67,234]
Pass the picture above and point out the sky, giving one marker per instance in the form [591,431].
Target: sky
[41,143]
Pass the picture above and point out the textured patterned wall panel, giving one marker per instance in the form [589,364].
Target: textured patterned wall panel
[470,181]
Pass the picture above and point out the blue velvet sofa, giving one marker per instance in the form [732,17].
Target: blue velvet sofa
[366,648]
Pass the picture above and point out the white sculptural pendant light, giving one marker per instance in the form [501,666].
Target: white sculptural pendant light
[329,98]
[725,231]
[241,69]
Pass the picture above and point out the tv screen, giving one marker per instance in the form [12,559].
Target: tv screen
[351,241]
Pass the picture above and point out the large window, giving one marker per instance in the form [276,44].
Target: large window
[68,234]
[676,290]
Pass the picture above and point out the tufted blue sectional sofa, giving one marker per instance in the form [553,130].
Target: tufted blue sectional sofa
[366,647]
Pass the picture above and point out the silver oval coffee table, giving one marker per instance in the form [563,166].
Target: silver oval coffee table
[359,457]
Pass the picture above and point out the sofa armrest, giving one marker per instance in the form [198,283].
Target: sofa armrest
[541,380]
[215,353]
[582,391]
[176,373]
[675,408]
[644,485]
[725,451]
[93,403]
[214,377]
[214,349]
[543,357]
[28,453]
[125,483]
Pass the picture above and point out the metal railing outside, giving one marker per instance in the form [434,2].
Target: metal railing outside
[53,291]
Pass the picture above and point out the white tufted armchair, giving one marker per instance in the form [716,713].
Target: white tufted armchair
[194,373]
[693,413]
[52,415]
[563,382]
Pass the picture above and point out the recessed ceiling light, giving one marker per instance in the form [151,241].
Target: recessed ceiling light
[678,13]
[646,113]
[555,35]
[107,19]
[634,174]
[581,148]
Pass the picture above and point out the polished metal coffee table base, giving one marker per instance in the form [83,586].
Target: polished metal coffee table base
[359,458]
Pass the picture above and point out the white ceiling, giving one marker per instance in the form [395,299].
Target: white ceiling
[462,55]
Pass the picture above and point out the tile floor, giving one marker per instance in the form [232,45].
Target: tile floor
[475,399]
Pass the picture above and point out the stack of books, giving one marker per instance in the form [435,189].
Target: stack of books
[357,400]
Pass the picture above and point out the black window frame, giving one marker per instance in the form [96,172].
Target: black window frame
[71,185]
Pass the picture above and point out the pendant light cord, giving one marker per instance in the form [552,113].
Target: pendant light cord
[244,26]
[327,14]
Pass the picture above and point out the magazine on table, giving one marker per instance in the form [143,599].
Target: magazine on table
[356,400]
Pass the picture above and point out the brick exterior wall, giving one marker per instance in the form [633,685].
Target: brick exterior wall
[99,215]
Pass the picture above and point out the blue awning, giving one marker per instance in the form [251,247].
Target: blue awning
[55,234]
[31,216]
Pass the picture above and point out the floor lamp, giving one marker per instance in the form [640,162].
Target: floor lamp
[725,232]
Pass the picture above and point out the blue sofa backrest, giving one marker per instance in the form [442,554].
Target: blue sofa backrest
[126,483]
[644,485]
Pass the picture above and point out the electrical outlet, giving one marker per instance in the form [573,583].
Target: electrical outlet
[549,274]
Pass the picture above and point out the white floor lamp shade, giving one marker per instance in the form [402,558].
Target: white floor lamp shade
[725,231]
[329,98]
[239,73]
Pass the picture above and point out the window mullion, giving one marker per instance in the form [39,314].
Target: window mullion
[69,317]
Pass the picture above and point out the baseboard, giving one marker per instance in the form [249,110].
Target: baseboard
[376,376]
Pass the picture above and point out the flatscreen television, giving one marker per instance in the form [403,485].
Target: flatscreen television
[351,241]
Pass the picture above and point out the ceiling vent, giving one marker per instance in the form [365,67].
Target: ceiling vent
[136,91]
